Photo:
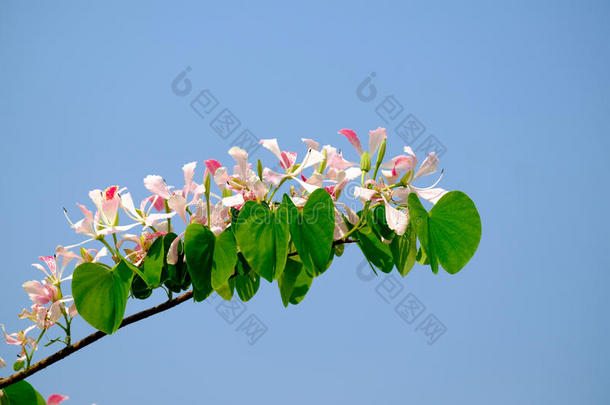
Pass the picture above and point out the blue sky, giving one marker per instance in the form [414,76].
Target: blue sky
[516,97]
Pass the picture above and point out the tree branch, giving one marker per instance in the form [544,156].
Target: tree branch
[65,352]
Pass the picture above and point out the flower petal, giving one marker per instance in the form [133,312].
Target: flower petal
[430,194]
[178,203]
[212,165]
[364,194]
[353,139]
[233,201]
[241,157]
[428,166]
[56,399]
[311,144]
[156,185]
[272,146]
[272,177]
[375,138]
[397,220]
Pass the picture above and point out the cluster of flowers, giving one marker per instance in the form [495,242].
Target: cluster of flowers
[49,305]
[384,182]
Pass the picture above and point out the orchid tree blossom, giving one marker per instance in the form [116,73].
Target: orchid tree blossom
[143,215]
[142,243]
[105,220]
[21,339]
[244,181]
[403,173]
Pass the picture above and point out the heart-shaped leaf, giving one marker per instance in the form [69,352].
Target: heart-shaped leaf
[247,285]
[100,293]
[288,279]
[312,229]
[199,251]
[450,233]
[152,266]
[375,251]
[455,228]
[226,290]
[262,236]
[225,258]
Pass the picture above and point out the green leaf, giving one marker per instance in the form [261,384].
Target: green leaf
[377,220]
[18,365]
[420,220]
[288,279]
[312,229]
[20,393]
[455,229]
[404,250]
[40,399]
[226,290]
[339,249]
[375,251]
[167,242]
[225,258]
[177,277]
[262,236]
[152,266]
[247,285]
[100,293]
[199,250]
[301,286]
[450,233]
[139,288]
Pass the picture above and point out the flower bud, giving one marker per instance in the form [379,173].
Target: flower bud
[405,179]
[207,184]
[380,155]
[323,163]
[259,169]
[365,162]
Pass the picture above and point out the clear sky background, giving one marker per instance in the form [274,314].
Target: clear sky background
[517,94]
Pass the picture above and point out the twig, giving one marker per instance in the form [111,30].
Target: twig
[65,352]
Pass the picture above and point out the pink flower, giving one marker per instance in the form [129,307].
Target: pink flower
[56,399]
[287,159]
[40,293]
[105,220]
[142,242]
[20,338]
[107,203]
[407,165]
[143,215]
